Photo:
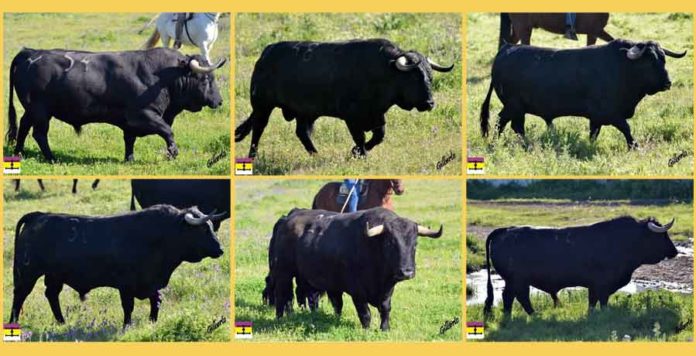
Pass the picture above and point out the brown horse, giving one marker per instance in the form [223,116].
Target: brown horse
[379,193]
[515,27]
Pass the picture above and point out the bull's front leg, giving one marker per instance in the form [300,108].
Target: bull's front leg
[155,301]
[127,301]
[363,311]
[304,132]
[129,141]
[376,139]
[358,137]
[384,310]
[147,122]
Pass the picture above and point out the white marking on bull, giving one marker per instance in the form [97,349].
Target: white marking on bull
[85,61]
[72,61]
[32,61]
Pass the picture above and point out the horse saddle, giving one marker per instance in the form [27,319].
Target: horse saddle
[343,191]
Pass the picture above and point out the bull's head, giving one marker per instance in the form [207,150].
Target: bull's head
[199,239]
[399,238]
[415,80]
[198,87]
[655,241]
[649,59]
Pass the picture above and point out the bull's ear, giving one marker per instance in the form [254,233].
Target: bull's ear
[184,63]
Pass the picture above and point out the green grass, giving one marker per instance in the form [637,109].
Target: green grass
[414,142]
[419,306]
[646,316]
[197,294]
[634,315]
[662,124]
[100,149]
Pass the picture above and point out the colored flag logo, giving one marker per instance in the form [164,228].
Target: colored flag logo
[12,332]
[474,165]
[243,166]
[242,330]
[12,165]
[474,330]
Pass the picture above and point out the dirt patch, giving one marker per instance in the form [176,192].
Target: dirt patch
[481,232]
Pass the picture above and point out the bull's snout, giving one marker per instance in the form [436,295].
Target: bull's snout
[405,274]
[427,106]
[217,253]
[668,85]
[215,104]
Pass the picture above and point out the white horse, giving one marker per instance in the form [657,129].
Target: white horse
[200,31]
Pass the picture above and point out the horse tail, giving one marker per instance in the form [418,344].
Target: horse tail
[148,24]
[152,41]
[505,29]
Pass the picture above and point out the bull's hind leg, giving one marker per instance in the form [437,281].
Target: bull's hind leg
[155,301]
[40,132]
[556,302]
[23,284]
[24,125]
[363,311]
[53,288]
[304,131]
[595,128]
[146,122]
[591,299]
[258,120]
[129,143]
[508,299]
[522,295]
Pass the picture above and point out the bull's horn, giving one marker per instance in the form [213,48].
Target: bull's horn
[635,52]
[438,67]
[425,231]
[373,231]
[215,217]
[402,64]
[660,229]
[673,54]
[196,221]
[198,68]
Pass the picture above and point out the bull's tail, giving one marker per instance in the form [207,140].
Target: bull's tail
[152,41]
[26,219]
[489,286]
[12,114]
[244,129]
[505,29]
[485,113]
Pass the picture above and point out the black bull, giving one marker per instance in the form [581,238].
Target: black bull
[208,195]
[600,257]
[135,253]
[602,83]
[356,81]
[363,254]
[141,92]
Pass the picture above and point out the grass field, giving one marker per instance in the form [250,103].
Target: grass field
[414,142]
[648,315]
[419,306]
[662,124]
[99,149]
[197,295]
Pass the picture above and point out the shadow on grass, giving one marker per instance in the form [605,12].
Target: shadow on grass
[77,333]
[653,315]
[64,158]
[311,322]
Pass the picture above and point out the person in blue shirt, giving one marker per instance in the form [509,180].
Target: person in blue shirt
[353,195]
[570,26]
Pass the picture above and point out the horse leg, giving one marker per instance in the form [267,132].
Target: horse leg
[525,35]
[205,51]
[165,40]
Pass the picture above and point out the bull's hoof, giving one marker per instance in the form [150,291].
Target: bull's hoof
[358,151]
[130,158]
[172,152]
